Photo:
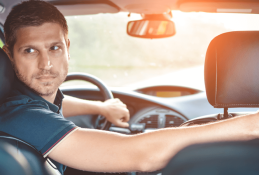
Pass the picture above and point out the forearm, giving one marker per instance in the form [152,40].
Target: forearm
[164,144]
[87,149]
[113,109]
[73,106]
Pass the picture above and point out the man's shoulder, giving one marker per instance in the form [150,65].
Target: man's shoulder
[21,102]
[33,122]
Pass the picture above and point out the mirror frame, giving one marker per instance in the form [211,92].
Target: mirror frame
[154,37]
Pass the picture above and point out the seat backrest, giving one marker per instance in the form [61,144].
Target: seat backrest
[8,160]
[37,164]
[223,158]
[32,162]
[6,76]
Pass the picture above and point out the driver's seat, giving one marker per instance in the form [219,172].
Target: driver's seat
[17,156]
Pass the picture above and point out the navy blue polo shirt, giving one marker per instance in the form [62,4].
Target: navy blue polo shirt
[31,118]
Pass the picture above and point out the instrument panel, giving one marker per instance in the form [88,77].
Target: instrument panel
[157,117]
[167,91]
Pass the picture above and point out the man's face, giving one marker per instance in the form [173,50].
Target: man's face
[40,57]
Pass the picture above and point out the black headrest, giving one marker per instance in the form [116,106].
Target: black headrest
[6,76]
[232,70]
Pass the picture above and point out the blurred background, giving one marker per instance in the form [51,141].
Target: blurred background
[101,46]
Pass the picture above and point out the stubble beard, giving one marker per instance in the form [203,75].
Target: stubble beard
[43,88]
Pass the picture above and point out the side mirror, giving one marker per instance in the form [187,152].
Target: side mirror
[147,28]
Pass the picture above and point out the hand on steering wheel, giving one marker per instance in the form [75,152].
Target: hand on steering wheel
[101,122]
[116,112]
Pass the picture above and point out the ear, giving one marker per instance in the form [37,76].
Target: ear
[6,50]
[68,46]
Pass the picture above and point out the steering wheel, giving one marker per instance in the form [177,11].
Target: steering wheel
[101,122]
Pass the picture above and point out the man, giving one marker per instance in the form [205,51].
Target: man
[38,47]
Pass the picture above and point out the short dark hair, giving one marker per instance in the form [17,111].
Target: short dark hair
[31,13]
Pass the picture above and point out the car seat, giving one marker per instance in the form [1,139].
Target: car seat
[221,158]
[231,78]
[15,154]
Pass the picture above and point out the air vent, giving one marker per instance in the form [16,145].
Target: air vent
[173,121]
[150,121]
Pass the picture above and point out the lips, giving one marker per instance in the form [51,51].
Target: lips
[45,77]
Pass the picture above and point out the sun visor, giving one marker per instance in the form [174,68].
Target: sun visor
[148,8]
[85,9]
[220,7]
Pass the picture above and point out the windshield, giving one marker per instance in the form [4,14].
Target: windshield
[101,46]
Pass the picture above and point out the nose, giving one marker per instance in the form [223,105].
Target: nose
[45,62]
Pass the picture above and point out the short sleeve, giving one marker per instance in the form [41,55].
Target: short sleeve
[35,124]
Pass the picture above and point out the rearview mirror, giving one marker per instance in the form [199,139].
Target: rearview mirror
[151,28]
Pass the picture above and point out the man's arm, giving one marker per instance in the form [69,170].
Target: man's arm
[101,151]
[113,110]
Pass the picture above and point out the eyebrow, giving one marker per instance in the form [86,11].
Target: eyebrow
[57,42]
[33,46]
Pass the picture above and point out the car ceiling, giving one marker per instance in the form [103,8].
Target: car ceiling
[81,7]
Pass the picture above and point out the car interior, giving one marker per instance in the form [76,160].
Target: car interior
[230,75]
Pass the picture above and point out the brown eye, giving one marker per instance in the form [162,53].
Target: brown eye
[54,48]
[29,50]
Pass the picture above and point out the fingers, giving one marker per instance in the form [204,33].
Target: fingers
[126,116]
[121,119]
[117,112]
[123,124]
[114,101]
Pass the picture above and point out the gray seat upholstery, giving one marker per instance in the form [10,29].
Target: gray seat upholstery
[6,76]
[222,158]
[8,157]
[231,79]
[15,154]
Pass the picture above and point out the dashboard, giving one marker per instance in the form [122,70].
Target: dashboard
[145,105]
[149,110]
[155,118]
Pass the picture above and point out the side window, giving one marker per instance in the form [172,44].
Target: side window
[1,44]
[2,40]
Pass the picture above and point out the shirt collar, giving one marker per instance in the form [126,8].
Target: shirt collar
[25,90]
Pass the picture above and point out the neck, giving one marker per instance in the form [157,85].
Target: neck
[50,98]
